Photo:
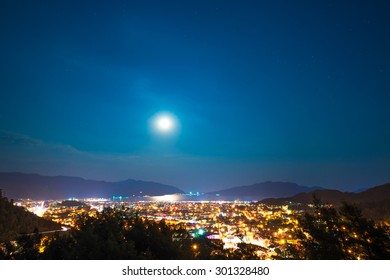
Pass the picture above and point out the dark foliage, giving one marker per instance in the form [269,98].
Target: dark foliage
[324,233]
[327,233]
[17,220]
[121,234]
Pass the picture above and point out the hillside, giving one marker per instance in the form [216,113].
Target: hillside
[34,186]
[374,201]
[16,220]
[261,191]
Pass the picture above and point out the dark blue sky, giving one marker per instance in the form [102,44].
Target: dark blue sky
[263,90]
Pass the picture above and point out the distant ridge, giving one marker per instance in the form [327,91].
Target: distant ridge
[21,185]
[263,190]
[374,201]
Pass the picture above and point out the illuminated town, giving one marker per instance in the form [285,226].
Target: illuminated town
[198,229]
[268,227]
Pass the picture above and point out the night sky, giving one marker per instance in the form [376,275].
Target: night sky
[293,91]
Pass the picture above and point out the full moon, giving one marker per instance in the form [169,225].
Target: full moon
[164,123]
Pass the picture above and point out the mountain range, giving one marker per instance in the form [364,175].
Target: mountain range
[20,185]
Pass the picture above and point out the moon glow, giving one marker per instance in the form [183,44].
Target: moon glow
[164,123]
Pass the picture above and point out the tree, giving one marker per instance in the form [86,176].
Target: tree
[27,247]
[364,240]
[328,233]
[117,234]
[323,238]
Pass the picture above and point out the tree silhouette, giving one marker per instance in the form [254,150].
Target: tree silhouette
[328,233]
[118,235]
[16,220]
[364,239]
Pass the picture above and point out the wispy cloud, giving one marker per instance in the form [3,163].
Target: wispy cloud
[10,138]
[20,141]
[26,154]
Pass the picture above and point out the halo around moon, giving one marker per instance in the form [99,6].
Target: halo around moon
[164,123]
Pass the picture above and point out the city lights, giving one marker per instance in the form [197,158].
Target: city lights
[270,231]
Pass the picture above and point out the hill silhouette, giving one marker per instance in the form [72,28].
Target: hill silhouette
[261,191]
[374,201]
[34,186]
[16,220]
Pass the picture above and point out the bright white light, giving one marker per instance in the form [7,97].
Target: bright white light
[167,198]
[40,209]
[164,123]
